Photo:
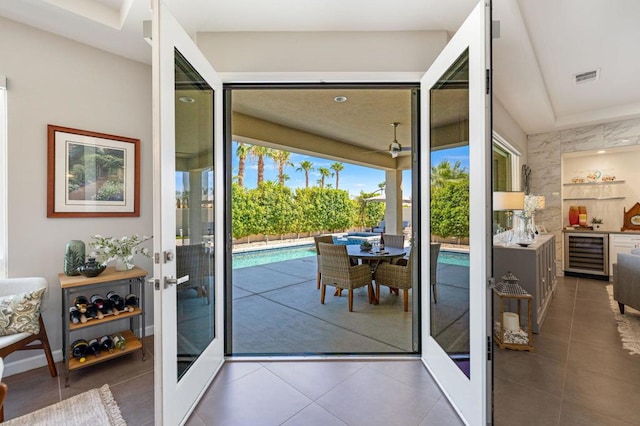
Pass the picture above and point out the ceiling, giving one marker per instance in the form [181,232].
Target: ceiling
[542,44]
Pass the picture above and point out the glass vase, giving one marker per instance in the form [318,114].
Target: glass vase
[124,263]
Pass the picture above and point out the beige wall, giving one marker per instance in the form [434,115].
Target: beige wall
[52,80]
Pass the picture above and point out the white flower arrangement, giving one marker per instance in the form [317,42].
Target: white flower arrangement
[124,248]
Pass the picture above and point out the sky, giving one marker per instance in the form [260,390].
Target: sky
[353,178]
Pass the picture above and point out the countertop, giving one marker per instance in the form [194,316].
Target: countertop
[601,231]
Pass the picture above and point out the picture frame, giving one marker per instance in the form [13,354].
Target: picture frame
[91,174]
[542,229]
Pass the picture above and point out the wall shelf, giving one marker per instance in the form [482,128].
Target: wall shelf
[593,183]
[594,198]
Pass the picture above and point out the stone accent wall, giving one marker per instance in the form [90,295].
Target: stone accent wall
[544,152]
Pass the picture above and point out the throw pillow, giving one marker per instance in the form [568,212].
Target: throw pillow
[20,313]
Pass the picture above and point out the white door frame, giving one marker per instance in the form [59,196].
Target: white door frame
[175,400]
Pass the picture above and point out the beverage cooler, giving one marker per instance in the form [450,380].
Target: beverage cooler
[586,253]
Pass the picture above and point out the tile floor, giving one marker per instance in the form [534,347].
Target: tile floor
[578,375]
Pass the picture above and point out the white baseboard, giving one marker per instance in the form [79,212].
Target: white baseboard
[39,360]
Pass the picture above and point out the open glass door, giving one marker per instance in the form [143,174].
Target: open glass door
[188,302]
[455,152]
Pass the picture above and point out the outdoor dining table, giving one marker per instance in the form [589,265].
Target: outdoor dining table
[375,257]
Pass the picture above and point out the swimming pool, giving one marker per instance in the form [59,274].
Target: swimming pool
[263,257]
[272,255]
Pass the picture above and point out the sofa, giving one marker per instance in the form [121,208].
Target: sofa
[626,280]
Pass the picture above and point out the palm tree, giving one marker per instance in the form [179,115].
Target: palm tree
[324,173]
[259,152]
[242,151]
[281,158]
[337,168]
[445,172]
[305,166]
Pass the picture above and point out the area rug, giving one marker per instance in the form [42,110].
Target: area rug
[95,407]
[628,324]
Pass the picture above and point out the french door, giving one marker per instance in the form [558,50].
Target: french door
[455,115]
[187,220]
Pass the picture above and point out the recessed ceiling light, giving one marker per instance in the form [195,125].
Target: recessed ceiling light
[186,99]
[602,151]
[340,99]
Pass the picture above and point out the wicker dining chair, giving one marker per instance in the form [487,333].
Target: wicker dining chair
[338,272]
[433,272]
[392,240]
[193,260]
[321,239]
[395,276]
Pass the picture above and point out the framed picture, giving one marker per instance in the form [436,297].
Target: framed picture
[541,229]
[92,174]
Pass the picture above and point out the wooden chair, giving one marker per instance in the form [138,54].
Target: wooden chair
[396,277]
[25,341]
[3,391]
[321,239]
[338,272]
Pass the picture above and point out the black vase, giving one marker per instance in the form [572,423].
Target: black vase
[73,257]
[91,268]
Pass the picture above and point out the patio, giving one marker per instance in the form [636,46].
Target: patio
[277,310]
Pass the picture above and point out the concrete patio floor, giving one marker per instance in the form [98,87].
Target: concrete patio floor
[277,310]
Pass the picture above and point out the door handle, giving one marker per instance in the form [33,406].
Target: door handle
[168,281]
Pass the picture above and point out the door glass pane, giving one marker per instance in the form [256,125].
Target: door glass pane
[449,127]
[502,178]
[194,213]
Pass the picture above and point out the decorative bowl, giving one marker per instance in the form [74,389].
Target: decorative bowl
[91,268]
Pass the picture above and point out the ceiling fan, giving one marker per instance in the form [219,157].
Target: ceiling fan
[395,147]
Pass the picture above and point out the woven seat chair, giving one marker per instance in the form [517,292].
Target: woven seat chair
[338,272]
[321,239]
[193,260]
[392,240]
[433,272]
[395,277]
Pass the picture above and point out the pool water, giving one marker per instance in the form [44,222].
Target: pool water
[263,257]
[453,258]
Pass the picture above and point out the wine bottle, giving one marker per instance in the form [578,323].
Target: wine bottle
[79,350]
[94,312]
[381,245]
[106,344]
[97,300]
[107,307]
[118,301]
[81,302]
[119,342]
[93,348]
[131,302]
[74,315]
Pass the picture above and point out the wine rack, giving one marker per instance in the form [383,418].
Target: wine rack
[79,285]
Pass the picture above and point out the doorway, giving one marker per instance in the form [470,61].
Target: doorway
[309,160]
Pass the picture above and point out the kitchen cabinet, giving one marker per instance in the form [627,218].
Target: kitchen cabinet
[535,267]
[621,243]
[109,279]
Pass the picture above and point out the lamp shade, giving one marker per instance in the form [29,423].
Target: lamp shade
[508,200]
